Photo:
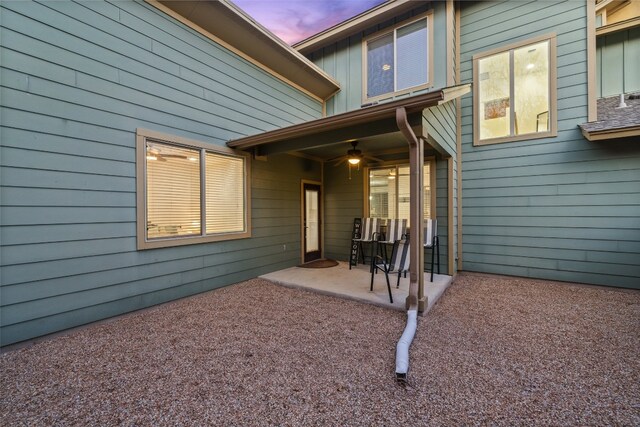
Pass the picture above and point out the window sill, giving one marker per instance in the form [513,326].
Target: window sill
[525,137]
[392,96]
[169,242]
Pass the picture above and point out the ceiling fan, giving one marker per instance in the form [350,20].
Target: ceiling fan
[353,157]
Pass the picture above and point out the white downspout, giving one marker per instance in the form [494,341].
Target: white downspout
[416,159]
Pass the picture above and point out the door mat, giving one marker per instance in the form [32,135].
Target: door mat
[320,263]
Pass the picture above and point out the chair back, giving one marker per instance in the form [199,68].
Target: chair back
[396,229]
[400,258]
[430,231]
[370,226]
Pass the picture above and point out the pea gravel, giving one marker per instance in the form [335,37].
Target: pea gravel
[494,351]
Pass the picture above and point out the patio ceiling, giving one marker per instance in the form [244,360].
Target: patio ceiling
[374,127]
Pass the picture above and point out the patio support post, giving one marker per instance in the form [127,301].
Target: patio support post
[416,299]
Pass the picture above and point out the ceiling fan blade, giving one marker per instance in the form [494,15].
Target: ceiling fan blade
[375,159]
[340,162]
[333,159]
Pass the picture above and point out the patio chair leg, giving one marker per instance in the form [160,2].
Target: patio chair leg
[388,287]
[371,287]
[433,252]
[398,283]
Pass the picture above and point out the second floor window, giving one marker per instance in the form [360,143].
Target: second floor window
[398,60]
[515,92]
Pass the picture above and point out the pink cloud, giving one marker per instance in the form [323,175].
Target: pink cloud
[295,20]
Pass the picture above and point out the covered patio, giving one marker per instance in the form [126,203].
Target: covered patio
[417,132]
[354,284]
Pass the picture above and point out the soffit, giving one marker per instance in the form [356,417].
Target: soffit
[381,13]
[375,125]
[232,26]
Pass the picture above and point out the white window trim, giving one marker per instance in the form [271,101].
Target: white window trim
[428,16]
[553,91]
[141,208]
[431,161]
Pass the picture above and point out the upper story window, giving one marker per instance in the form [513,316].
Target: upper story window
[189,192]
[398,60]
[515,92]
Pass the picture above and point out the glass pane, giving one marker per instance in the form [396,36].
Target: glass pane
[493,92]
[382,193]
[531,88]
[404,191]
[312,215]
[225,193]
[380,66]
[426,183]
[411,55]
[173,191]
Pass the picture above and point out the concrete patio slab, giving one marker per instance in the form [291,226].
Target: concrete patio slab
[354,284]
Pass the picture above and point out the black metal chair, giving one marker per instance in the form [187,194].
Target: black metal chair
[431,241]
[398,263]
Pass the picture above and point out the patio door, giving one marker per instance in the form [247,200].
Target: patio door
[311,223]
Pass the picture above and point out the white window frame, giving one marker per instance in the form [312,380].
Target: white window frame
[553,91]
[144,135]
[427,16]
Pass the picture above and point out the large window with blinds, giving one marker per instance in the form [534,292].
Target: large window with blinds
[398,60]
[388,189]
[189,192]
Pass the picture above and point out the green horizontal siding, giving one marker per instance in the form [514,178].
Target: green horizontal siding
[557,208]
[77,79]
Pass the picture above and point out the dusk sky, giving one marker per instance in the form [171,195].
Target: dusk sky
[295,20]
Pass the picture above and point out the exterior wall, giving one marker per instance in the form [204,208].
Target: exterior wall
[344,201]
[77,80]
[343,60]
[556,208]
[618,56]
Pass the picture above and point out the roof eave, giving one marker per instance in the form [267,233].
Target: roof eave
[353,25]
[350,118]
[601,135]
[229,26]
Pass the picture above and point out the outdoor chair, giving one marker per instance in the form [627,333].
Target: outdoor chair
[395,231]
[398,263]
[370,231]
[431,241]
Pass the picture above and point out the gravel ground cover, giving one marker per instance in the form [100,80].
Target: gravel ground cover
[494,351]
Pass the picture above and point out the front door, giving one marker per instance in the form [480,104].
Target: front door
[311,221]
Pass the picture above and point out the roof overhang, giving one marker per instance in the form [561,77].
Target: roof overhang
[381,13]
[615,133]
[226,24]
[356,124]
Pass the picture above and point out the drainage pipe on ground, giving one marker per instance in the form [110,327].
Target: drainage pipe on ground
[416,161]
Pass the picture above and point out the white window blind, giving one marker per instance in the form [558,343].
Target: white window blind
[224,193]
[411,55]
[389,192]
[173,191]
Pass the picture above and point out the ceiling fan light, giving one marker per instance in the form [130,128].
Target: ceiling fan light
[151,157]
[354,160]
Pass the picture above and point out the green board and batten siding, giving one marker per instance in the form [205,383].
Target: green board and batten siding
[77,80]
[558,208]
[618,59]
